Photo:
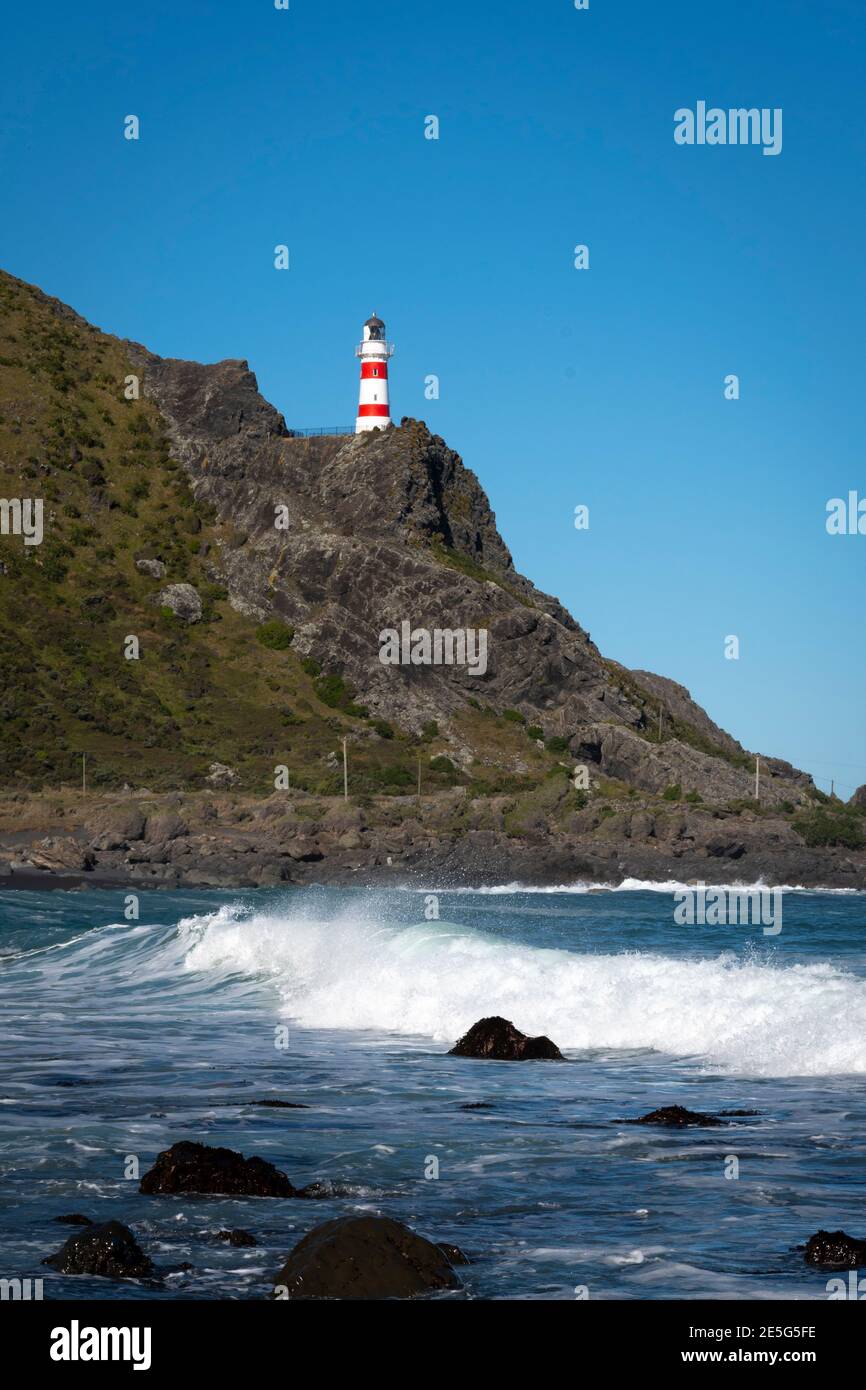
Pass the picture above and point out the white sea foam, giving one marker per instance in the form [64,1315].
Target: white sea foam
[639,885]
[752,1017]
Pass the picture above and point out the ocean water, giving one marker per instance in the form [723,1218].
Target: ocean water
[120,1038]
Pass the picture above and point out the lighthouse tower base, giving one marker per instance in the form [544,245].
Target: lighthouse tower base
[364,423]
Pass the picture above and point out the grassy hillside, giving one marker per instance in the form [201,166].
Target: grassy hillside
[219,690]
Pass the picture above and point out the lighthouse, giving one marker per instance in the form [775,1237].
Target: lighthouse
[374,412]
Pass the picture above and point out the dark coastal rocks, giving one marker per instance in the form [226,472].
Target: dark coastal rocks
[74,1218]
[164,826]
[189,1167]
[835,1250]
[453,1254]
[677,1117]
[55,854]
[237,1238]
[499,1041]
[117,827]
[110,1250]
[280,1104]
[364,1257]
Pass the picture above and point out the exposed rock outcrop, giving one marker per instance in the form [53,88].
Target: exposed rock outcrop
[238,1239]
[364,1257]
[677,1117]
[835,1250]
[183,600]
[188,1167]
[110,1250]
[499,1041]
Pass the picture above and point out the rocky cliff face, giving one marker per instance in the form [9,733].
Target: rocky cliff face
[391,527]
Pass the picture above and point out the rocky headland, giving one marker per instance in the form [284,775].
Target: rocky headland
[210,596]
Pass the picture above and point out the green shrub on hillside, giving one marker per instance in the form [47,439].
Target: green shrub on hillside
[832,826]
[336,694]
[275,635]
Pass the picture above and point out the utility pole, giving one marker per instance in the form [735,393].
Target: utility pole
[84,774]
[757,778]
[345,773]
[832,787]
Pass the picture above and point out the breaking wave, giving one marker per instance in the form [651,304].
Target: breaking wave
[752,1016]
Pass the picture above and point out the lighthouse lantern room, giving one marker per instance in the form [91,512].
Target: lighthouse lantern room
[374,410]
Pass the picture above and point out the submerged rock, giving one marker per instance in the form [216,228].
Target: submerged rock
[189,1167]
[835,1250]
[74,1218]
[499,1040]
[110,1250]
[364,1257]
[676,1117]
[281,1104]
[237,1238]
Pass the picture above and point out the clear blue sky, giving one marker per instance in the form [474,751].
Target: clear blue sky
[558,386]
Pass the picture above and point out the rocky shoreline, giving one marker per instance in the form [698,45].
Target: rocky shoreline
[449,840]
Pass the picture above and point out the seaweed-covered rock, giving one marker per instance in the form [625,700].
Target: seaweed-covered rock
[499,1040]
[364,1257]
[189,1167]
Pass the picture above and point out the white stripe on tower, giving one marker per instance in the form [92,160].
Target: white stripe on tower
[374,411]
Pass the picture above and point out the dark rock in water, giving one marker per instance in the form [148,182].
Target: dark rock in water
[364,1257]
[74,1218]
[676,1117]
[453,1254]
[317,1190]
[110,1250]
[835,1250]
[499,1040]
[280,1104]
[476,1105]
[188,1167]
[237,1238]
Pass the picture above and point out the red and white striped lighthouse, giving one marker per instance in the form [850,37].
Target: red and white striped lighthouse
[374,412]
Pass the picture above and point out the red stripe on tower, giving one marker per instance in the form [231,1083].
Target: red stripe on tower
[371,369]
